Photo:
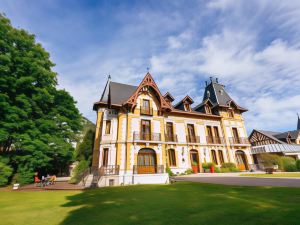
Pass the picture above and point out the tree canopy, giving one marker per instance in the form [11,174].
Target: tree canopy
[38,122]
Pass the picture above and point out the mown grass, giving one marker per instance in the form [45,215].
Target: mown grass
[180,203]
[273,175]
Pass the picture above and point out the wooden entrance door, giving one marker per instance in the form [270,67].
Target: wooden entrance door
[194,160]
[146,161]
[241,160]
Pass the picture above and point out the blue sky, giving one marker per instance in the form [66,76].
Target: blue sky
[253,47]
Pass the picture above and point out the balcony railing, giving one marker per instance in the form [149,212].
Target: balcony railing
[137,136]
[146,111]
[171,138]
[109,170]
[138,169]
[193,139]
[214,140]
[238,141]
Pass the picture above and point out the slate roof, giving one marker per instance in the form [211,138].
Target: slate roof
[217,94]
[280,136]
[117,93]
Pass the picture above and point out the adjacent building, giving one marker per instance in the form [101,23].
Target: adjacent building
[280,143]
[140,132]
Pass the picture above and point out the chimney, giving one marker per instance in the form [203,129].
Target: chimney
[217,80]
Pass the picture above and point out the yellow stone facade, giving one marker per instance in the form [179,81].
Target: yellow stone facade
[126,146]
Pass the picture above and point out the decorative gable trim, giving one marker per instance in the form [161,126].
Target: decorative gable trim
[148,84]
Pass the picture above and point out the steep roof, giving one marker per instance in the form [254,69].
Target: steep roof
[293,134]
[117,93]
[217,94]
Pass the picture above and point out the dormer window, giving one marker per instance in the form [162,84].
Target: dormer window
[207,109]
[187,107]
[231,113]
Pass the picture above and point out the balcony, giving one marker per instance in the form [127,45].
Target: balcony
[138,169]
[193,139]
[109,170]
[137,136]
[171,138]
[146,111]
[214,140]
[239,141]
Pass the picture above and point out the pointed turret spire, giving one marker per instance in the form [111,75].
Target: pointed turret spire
[104,96]
[298,125]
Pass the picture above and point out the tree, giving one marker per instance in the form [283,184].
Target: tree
[84,151]
[38,122]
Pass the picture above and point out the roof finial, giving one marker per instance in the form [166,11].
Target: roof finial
[298,125]
[109,77]
[148,69]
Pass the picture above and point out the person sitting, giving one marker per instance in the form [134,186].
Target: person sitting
[52,179]
[37,181]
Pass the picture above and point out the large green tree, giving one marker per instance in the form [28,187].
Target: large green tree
[38,122]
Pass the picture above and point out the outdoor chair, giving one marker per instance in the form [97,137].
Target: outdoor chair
[37,181]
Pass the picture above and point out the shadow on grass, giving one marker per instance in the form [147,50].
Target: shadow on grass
[185,203]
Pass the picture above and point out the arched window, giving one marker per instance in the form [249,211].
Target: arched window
[214,157]
[221,157]
[146,161]
[172,157]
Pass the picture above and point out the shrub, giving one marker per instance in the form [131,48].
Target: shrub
[79,171]
[298,164]
[5,173]
[287,162]
[269,160]
[205,166]
[24,176]
[228,165]
[290,168]
[169,171]
[189,171]
[217,170]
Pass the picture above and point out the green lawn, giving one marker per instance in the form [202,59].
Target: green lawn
[273,175]
[180,203]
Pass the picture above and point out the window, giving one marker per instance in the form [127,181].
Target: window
[145,129]
[221,156]
[169,128]
[187,107]
[107,127]
[191,133]
[105,157]
[172,157]
[209,135]
[231,113]
[214,157]
[235,135]
[146,104]
[217,136]
[207,109]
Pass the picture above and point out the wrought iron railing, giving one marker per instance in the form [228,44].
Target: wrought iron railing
[138,169]
[109,170]
[171,138]
[238,140]
[193,139]
[214,140]
[146,111]
[137,136]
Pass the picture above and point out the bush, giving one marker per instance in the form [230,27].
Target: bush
[269,160]
[24,176]
[217,170]
[169,171]
[5,173]
[189,171]
[290,168]
[288,164]
[298,164]
[229,167]
[79,171]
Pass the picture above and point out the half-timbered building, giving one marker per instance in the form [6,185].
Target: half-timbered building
[280,143]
